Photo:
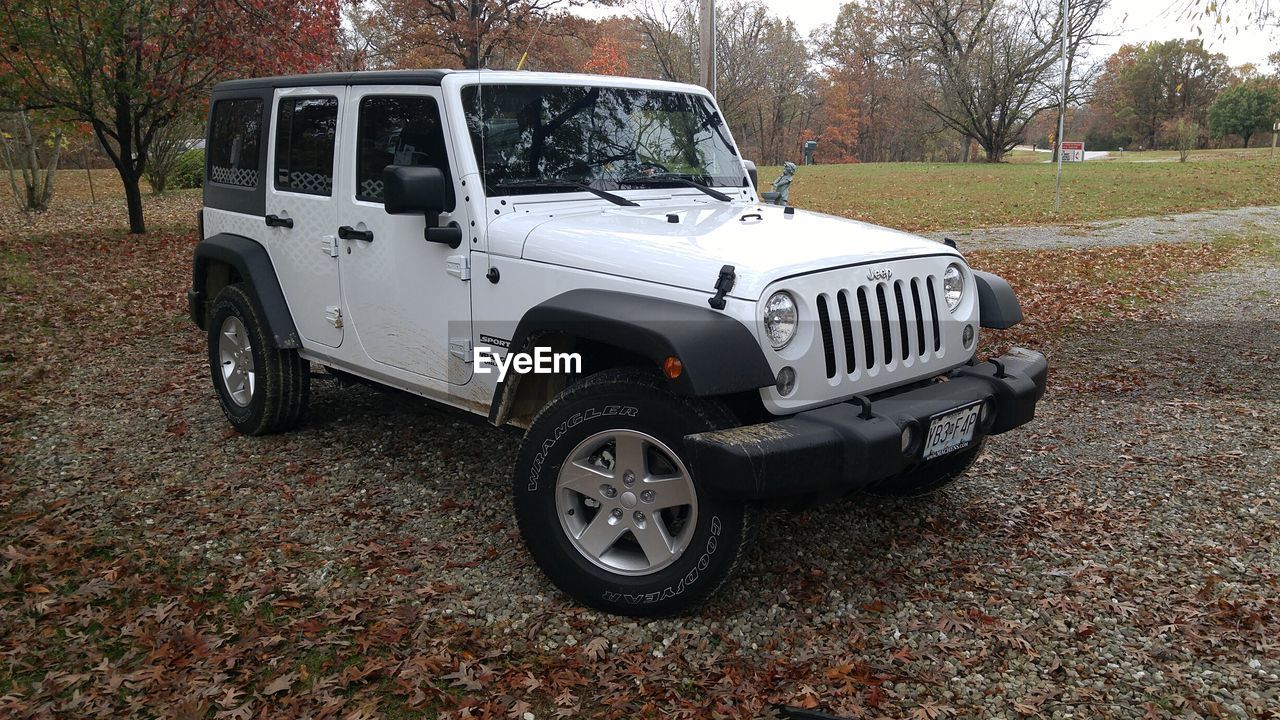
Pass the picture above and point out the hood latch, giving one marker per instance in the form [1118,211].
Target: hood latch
[723,285]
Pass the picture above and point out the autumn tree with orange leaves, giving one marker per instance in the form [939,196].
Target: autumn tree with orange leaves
[130,68]
[606,59]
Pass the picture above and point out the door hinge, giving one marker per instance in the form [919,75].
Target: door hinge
[460,348]
[329,244]
[333,314]
[459,266]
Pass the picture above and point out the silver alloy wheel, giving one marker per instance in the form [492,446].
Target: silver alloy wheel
[626,502]
[235,356]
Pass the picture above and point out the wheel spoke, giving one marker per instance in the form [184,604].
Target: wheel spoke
[669,491]
[654,539]
[609,474]
[582,478]
[629,454]
[600,534]
[236,358]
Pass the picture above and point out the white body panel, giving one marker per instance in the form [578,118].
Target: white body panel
[305,256]
[402,308]
[401,301]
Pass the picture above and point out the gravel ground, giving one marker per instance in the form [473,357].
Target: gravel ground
[1187,227]
[1118,558]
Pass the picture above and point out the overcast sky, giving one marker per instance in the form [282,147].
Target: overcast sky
[1131,21]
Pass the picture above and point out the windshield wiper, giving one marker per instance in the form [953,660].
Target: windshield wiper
[673,178]
[550,183]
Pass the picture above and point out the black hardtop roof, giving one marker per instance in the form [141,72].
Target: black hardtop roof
[368,77]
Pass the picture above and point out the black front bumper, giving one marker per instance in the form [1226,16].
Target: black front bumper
[834,450]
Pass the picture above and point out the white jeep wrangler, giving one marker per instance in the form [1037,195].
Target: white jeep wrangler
[404,227]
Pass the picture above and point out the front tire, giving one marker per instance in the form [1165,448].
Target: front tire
[607,503]
[262,390]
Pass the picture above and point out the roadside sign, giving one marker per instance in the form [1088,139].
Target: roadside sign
[1073,151]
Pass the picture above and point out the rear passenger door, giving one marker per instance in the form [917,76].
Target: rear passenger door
[301,215]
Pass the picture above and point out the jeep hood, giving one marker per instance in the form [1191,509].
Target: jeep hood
[761,242]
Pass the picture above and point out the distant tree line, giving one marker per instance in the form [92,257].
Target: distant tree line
[886,80]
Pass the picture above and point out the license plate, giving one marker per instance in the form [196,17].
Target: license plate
[951,431]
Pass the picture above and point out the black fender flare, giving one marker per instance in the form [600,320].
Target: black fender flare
[998,306]
[251,261]
[720,355]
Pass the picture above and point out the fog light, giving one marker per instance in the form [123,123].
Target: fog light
[986,413]
[908,438]
[786,381]
[968,336]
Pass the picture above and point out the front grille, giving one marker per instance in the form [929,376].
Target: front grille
[879,327]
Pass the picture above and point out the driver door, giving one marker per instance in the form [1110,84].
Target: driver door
[409,300]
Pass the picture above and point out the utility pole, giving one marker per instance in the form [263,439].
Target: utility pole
[707,38]
[1062,109]
[1275,130]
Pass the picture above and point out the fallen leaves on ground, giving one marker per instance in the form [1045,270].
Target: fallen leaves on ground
[153,564]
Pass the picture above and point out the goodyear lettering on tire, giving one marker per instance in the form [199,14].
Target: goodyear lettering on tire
[684,583]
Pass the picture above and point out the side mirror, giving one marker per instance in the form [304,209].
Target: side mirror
[409,189]
[420,189]
[751,172]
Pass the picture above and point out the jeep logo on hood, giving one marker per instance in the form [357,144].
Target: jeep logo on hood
[879,274]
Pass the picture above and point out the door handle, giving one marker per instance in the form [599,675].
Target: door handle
[346,232]
[277,221]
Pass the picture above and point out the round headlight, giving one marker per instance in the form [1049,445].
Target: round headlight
[780,319]
[953,286]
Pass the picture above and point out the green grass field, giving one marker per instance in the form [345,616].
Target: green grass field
[910,196]
[922,196]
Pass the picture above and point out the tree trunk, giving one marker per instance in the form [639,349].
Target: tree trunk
[133,198]
[1246,139]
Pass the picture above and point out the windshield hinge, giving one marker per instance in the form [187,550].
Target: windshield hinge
[459,266]
[724,284]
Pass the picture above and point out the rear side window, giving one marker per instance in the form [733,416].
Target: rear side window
[397,131]
[235,136]
[305,132]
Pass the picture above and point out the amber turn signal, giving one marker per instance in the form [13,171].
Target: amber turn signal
[672,367]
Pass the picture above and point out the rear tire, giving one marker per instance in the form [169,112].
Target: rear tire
[262,390]
[927,478]
[607,504]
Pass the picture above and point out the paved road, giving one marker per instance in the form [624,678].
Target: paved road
[1186,227]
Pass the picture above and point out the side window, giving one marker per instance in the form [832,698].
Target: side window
[235,135]
[397,131]
[305,132]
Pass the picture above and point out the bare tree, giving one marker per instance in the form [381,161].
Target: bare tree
[669,37]
[764,81]
[21,148]
[466,33]
[993,61]
[168,145]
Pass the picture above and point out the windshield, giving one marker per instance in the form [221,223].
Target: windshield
[599,136]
